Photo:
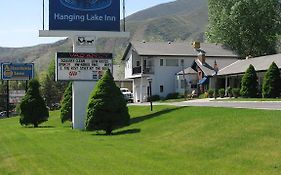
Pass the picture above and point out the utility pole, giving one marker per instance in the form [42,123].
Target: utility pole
[124,16]
[43,14]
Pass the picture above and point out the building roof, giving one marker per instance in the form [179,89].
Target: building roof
[206,68]
[188,70]
[178,49]
[260,64]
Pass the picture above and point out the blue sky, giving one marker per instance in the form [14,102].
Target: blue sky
[20,20]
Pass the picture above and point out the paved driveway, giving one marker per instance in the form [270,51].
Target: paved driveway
[229,104]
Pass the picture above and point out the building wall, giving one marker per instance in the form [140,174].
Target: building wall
[164,76]
[191,80]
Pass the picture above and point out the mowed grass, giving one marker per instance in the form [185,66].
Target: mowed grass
[167,141]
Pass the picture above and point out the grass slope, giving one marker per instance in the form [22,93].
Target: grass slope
[190,140]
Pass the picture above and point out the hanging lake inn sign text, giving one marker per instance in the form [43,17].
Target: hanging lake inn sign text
[17,71]
[88,15]
[82,66]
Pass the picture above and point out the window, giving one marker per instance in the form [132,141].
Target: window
[172,62]
[138,63]
[161,88]
[182,62]
[182,84]
[161,62]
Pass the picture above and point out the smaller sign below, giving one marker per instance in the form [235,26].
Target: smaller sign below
[82,66]
[15,96]
[83,41]
[17,71]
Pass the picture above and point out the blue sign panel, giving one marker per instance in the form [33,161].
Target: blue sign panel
[88,15]
[17,71]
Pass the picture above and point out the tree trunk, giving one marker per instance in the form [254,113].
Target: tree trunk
[108,131]
[35,125]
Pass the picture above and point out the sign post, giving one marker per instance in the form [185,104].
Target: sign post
[15,71]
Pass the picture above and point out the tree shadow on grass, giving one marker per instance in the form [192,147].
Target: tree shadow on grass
[127,131]
[154,115]
[39,127]
[123,132]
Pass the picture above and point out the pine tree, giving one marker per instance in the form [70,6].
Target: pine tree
[271,82]
[249,83]
[107,108]
[66,104]
[33,107]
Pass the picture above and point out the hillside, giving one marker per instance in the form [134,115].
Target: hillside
[178,20]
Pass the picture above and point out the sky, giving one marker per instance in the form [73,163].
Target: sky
[20,20]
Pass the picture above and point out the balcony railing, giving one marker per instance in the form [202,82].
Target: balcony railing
[146,70]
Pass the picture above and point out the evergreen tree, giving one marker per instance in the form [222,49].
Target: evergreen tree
[66,105]
[249,27]
[249,83]
[33,108]
[107,108]
[52,91]
[271,83]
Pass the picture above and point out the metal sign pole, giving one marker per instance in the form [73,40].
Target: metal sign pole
[8,101]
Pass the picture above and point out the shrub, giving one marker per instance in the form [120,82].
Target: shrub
[33,109]
[154,98]
[249,83]
[66,105]
[107,109]
[211,93]
[229,92]
[172,96]
[221,92]
[271,83]
[236,92]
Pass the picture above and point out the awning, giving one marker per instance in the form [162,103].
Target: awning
[203,80]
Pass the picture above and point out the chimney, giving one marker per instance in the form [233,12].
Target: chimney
[216,68]
[202,57]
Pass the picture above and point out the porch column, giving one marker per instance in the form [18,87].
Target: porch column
[226,85]
[141,90]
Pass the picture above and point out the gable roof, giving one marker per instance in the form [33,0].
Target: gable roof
[206,68]
[188,70]
[178,49]
[260,63]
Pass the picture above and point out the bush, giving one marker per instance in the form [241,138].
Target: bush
[211,93]
[229,92]
[221,92]
[107,109]
[66,105]
[236,92]
[154,98]
[271,83]
[33,109]
[172,96]
[249,83]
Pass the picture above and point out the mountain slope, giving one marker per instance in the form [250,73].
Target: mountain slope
[178,20]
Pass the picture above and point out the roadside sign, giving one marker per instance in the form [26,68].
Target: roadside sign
[17,71]
[89,15]
[82,66]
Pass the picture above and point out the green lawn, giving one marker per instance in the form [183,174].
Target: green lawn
[169,141]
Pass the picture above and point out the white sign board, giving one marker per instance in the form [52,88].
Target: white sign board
[82,66]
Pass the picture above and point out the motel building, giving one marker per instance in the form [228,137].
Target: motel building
[231,75]
[170,65]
